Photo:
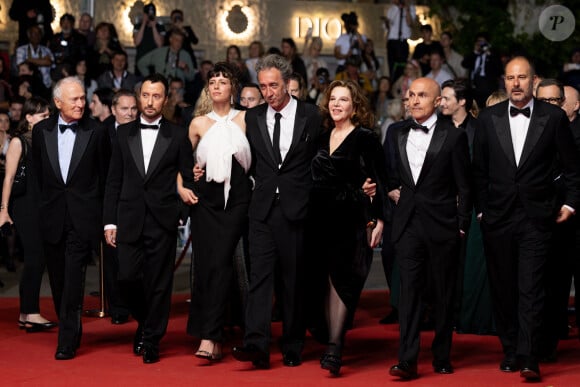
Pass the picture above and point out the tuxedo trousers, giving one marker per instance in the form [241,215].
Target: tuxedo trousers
[146,277]
[424,263]
[66,262]
[115,303]
[276,240]
[516,252]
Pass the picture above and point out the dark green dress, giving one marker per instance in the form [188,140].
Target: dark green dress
[473,294]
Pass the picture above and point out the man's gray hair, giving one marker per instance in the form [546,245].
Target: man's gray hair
[277,62]
[57,90]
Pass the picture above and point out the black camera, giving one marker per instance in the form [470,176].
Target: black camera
[149,9]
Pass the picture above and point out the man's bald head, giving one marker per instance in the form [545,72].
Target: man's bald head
[424,98]
[571,104]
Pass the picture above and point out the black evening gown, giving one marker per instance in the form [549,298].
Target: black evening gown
[24,213]
[215,233]
[338,217]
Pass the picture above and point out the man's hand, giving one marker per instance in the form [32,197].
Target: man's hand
[395,195]
[182,65]
[197,172]
[369,188]
[111,237]
[564,214]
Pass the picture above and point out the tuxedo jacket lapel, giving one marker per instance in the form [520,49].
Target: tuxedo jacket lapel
[51,140]
[437,140]
[263,127]
[502,129]
[161,145]
[537,124]
[299,125]
[82,138]
[136,148]
[402,144]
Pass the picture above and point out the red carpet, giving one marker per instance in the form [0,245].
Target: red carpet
[105,357]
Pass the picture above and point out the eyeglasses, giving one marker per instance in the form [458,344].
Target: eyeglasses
[553,101]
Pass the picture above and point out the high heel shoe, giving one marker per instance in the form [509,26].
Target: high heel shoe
[331,360]
[32,327]
[211,357]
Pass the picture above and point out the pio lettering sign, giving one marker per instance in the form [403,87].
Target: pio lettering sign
[557,23]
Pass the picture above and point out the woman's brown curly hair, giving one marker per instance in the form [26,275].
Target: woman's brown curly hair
[362,113]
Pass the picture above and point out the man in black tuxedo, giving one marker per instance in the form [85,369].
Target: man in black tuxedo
[282,136]
[124,110]
[432,213]
[141,211]
[70,156]
[517,150]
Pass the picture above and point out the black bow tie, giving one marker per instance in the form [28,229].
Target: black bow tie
[73,127]
[514,111]
[145,126]
[417,126]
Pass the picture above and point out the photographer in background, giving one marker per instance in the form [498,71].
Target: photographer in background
[319,84]
[571,70]
[189,36]
[351,43]
[148,34]
[30,13]
[398,22]
[68,46]
[484,68]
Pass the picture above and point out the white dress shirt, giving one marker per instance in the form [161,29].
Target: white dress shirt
[417,144]
[394,18]
[66,143]
[519,129]
[479,68]
[286,125]
[148,138]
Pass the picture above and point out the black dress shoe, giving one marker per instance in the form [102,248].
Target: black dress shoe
[530,372]
[138,344]
[150,354]
[442,367]
[64,353]
[509,364]
[119,319]
[391,318]
[259,358]
[292,359]
[32,327]
[404,370]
